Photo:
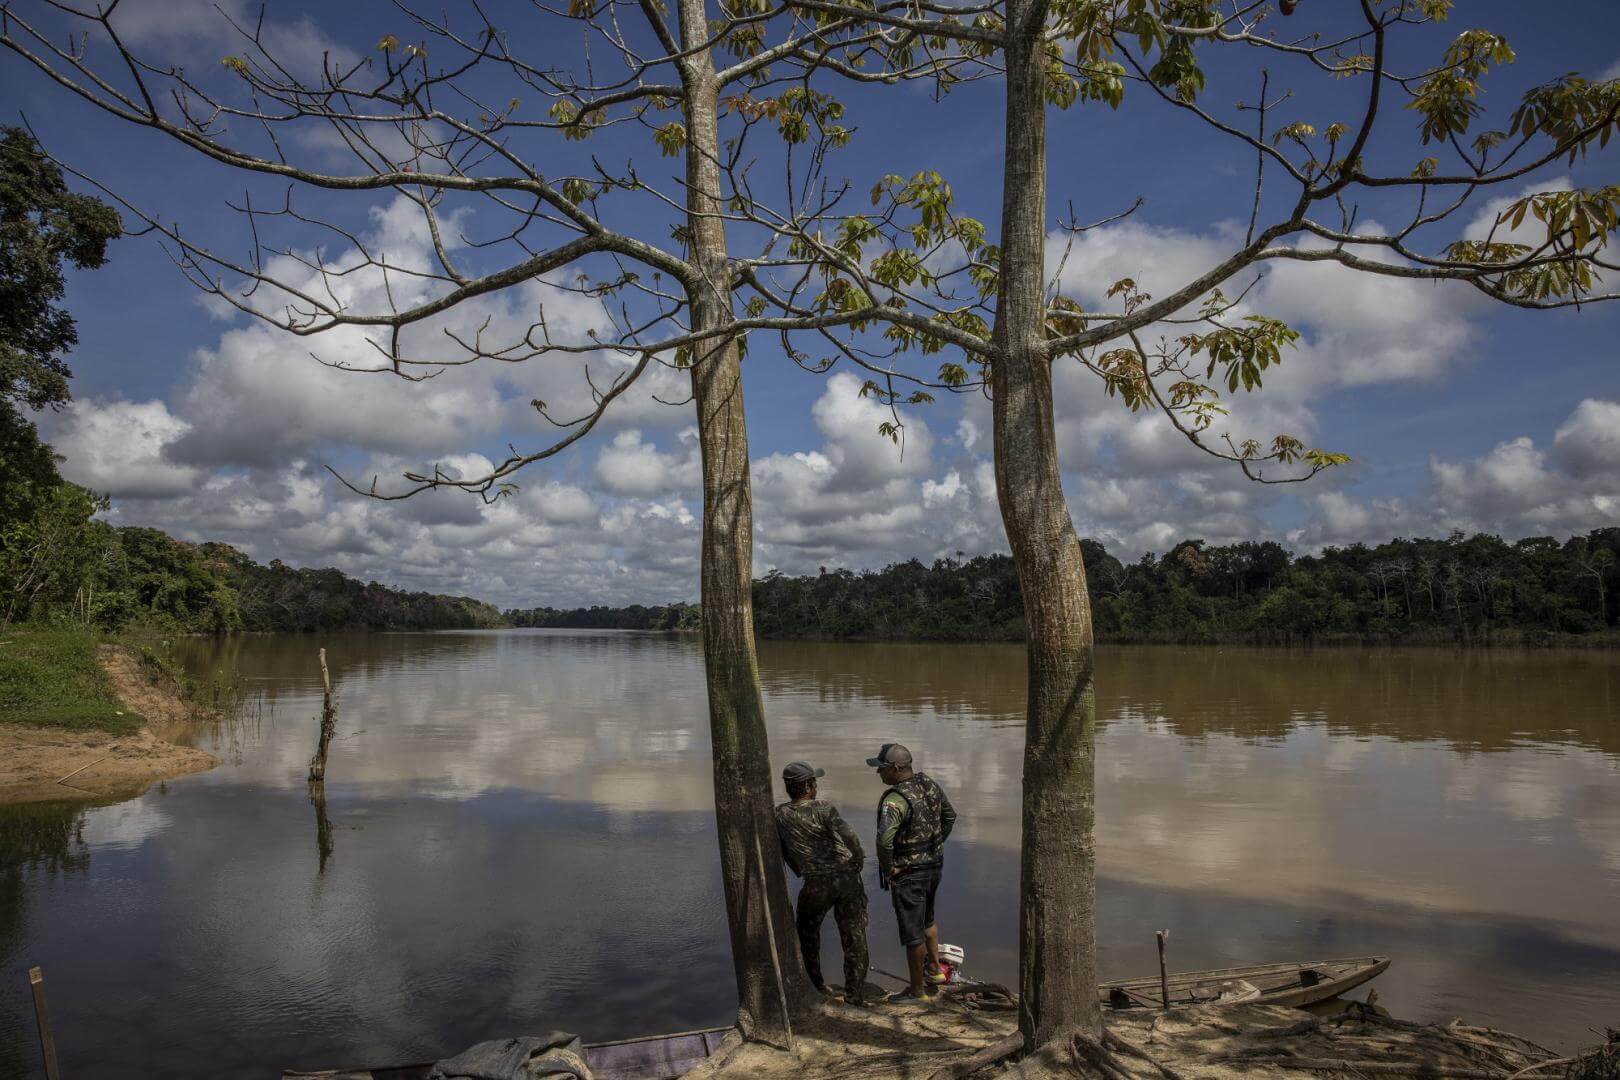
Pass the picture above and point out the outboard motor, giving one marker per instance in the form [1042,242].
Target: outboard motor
[950,961]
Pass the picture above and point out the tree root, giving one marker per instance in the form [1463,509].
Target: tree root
[997,1051]
[1094,1052]
[1304,1027]
[1487,1052]
[1541,1066]
[1503,1036]
[1356,1065]
[1110,1039]
[986,989]
[989,997]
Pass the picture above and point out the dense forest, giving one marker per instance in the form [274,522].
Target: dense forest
[1478,589]
[135,578]
[634,617]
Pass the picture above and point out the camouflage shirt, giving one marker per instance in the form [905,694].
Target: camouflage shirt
[914,818]
[815,840]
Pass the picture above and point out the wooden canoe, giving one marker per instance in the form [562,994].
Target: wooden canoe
[650,1057]
[653,1057]
[1293,984]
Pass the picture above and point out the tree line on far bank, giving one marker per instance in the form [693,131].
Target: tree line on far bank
[1475,590]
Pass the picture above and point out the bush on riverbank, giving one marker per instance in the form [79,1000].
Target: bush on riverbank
[52,678]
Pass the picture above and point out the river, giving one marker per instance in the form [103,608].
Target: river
[520,839]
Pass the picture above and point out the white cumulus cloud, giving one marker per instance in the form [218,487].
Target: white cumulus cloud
[120,448]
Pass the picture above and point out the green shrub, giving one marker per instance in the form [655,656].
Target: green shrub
[51,678]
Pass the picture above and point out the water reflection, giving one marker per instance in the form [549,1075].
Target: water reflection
[46,840]
[46,834]
[324,844]
[527,838]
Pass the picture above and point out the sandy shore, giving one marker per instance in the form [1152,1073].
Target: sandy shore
[941,1042]
[42,764]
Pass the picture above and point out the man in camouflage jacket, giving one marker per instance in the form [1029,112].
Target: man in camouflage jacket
[819,846]
[914,818]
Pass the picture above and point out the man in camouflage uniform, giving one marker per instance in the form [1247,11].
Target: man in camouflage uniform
[822,849]
[914,818]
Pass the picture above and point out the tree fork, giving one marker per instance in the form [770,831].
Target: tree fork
[743,801]
[1057,928]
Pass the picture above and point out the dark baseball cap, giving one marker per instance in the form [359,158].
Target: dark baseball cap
[891,754]
[800,771]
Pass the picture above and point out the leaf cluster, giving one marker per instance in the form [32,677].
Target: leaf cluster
[43,227]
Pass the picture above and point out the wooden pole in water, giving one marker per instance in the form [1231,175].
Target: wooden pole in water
[47,1044]
[317,764]
[1164,979]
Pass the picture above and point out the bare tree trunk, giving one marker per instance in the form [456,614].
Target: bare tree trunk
[1057,928]
[770,980]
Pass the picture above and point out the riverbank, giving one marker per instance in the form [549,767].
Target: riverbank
[83,720]
[955,1040]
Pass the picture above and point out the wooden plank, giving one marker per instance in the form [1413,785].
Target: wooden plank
[47,1042]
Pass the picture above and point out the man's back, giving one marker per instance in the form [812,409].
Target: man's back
[816,839]
[914,819]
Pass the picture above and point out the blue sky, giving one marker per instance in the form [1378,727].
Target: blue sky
[1458,414]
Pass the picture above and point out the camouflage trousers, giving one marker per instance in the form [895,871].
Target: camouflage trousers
[844,894]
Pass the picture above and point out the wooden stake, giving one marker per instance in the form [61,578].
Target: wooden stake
[770,935]
[47,1044]
[317,764]
[1164,979]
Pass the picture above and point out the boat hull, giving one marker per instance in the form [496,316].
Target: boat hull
[1292,984]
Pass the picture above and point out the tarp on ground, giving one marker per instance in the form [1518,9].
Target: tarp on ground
[557,1056]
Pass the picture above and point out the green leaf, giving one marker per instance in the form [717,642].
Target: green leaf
[671,138]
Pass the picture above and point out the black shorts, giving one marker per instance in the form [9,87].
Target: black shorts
[913,893]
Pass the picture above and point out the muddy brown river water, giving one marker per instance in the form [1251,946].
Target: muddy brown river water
[521,840]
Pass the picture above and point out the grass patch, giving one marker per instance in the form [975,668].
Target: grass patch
[51,678]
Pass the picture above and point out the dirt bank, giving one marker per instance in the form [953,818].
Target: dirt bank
[899,1041]
[939,1042]
[41,764]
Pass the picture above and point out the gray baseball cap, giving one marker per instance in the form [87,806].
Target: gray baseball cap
[891,754]
[799,771]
